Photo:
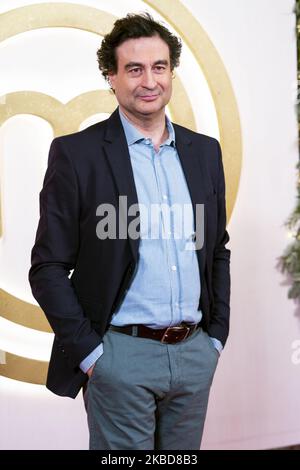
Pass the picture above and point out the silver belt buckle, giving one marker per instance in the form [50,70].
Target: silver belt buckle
[165,335]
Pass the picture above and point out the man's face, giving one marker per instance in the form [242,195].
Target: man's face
[143,82]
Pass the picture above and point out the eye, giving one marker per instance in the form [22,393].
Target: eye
[159,68]
[135,71]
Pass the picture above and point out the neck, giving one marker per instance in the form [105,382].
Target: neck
[150,126]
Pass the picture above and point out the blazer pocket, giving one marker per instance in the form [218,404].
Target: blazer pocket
[212,196]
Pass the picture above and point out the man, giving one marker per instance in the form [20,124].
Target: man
[141,321]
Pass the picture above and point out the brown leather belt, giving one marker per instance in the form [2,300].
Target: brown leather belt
[169,335]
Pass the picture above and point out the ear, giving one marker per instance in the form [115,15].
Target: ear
[111,79]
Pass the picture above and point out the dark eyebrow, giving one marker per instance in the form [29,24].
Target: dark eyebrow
[138,64]
[161,62]
[133,64]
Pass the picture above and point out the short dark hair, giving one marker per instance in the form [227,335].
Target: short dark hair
[134,26]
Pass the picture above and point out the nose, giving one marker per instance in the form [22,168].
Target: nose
[148,80]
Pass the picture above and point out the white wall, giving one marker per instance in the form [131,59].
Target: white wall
[254,402]
[255,399]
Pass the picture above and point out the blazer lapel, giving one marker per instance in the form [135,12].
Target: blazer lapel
[194,170]
[116,150]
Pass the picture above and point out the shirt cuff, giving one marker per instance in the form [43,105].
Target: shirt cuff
[217,344]
[91,358]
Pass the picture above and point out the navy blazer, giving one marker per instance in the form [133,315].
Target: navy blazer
[89,168]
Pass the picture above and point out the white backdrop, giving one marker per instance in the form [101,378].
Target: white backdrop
[255,396]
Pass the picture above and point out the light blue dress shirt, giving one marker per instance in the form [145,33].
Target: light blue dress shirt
[166,286]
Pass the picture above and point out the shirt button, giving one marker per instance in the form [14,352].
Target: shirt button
[176,304]
[173,268]
[165,196]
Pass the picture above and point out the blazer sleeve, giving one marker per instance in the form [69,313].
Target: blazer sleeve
[219,322]
[54,255]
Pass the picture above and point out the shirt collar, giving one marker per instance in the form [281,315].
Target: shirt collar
[133,135]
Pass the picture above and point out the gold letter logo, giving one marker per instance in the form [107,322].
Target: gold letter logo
[66,118]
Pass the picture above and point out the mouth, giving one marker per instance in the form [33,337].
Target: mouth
[148,97]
